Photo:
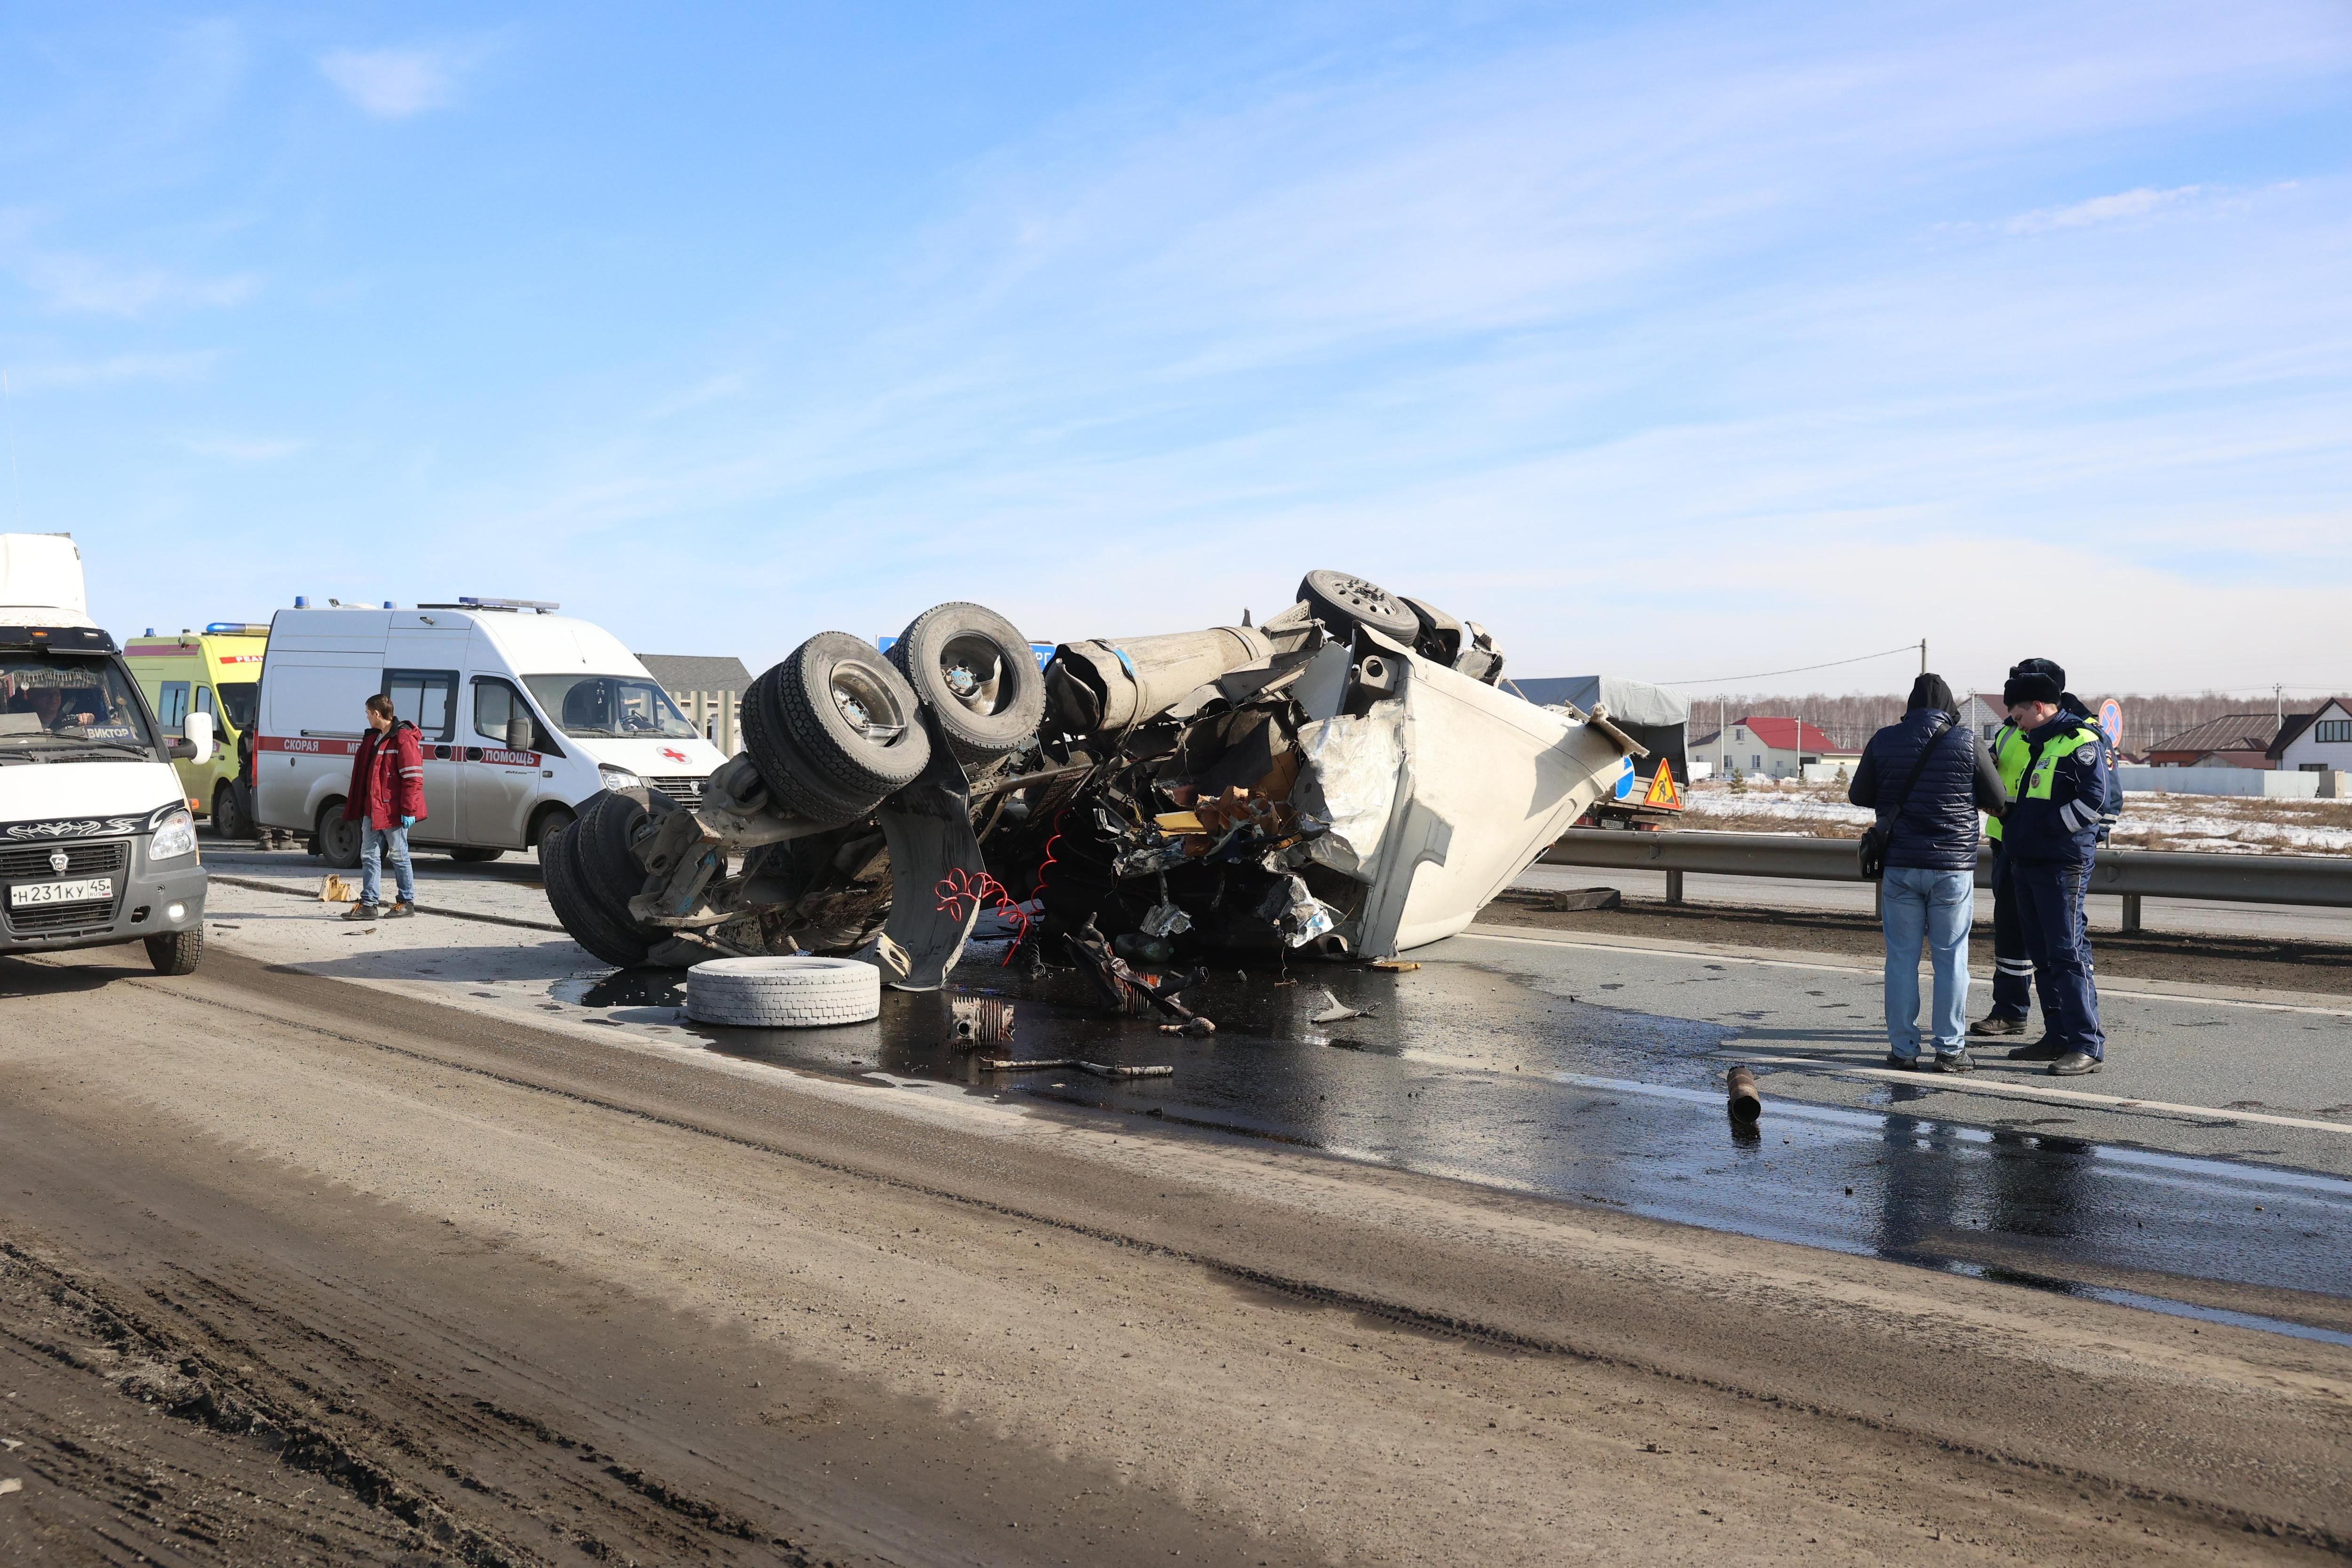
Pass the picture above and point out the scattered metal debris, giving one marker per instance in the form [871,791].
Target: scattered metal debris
[1330,1009]
[1746,1105]
[1098,1070]
[977,1021]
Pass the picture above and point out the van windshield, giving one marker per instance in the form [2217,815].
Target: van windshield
[62,708]
[620,706]
[236,700]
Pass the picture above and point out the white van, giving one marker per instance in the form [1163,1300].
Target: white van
[97,844]
[523,714]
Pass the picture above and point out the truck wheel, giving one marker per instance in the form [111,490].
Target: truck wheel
[788,776]
[473,857]
[178,952]
[606,935]
[1343,603]
[337,840]
[847,716]
[784,993]
[228,814]
[972,668]
[607,826]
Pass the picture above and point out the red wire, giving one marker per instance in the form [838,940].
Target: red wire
[958,885]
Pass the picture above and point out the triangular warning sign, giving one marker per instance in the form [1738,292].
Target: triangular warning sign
[1662,788]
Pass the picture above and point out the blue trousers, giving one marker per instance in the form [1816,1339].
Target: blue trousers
[2015,981]
[373,842]
[2049,899]
[1934,909]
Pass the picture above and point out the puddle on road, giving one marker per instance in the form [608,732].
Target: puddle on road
[1479,1074]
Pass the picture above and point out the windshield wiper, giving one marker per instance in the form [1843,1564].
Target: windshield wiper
[81,749]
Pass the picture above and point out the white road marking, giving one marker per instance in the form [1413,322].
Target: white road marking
[1489,934]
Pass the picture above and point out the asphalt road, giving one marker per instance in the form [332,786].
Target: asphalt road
[295,1267]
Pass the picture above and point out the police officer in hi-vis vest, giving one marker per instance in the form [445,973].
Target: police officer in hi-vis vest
[2049,835]
[2014,981]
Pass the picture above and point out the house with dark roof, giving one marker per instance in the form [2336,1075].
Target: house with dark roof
[2232,740]
[696,672]
[2319,742]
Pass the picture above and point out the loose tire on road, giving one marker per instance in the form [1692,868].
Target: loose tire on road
[973,669]
[1343,603]
[475,856]
[179,951]
[607,932]
[782,992]
[846,716]
[338,839]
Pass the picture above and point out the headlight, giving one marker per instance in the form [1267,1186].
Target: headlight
[174,835]
[619,778]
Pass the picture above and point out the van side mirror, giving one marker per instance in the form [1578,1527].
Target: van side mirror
[519,728]
[199,729]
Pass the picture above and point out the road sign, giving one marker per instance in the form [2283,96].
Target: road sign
[1662,788]
[2111,719]
[1626,780]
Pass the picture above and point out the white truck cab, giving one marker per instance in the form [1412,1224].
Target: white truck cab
[97,844]
[521,713]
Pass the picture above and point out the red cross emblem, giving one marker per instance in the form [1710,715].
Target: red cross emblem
[675,756]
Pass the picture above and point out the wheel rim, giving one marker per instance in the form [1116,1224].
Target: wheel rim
[971,670]
[866,703]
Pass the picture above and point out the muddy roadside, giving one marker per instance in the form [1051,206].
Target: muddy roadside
[552,1289]
[2252,962]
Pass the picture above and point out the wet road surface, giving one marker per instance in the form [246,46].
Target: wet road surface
[1473,1070]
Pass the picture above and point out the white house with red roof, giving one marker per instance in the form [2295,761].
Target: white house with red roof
[1776,748]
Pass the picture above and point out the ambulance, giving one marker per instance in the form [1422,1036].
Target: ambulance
[217,671]
[523,714]
[97,845]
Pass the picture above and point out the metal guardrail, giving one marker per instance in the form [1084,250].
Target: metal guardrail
[2323,880]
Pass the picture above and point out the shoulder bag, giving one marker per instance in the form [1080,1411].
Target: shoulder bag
[1881,832]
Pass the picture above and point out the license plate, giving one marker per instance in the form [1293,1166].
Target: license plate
[24,895]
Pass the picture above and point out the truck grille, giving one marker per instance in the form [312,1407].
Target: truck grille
[30,862]
[687,792]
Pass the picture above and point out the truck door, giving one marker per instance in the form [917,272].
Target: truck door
[428,700]
[497,783]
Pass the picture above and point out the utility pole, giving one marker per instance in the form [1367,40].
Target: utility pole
[1923,655]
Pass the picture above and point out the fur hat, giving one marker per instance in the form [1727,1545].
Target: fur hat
[2034,680]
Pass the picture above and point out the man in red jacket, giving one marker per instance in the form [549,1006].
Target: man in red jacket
[386,799]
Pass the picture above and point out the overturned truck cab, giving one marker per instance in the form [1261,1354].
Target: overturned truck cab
[1348,779]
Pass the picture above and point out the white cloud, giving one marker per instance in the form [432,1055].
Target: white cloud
[392,84]
[240,449]
[111,370]
[2104,209]
[97,287]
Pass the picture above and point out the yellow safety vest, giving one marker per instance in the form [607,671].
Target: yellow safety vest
[2011,752]
[2054,750]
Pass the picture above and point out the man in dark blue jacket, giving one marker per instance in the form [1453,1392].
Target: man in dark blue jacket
[2050,834]
[1927,775]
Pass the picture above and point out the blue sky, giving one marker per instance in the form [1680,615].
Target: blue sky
[1670,341]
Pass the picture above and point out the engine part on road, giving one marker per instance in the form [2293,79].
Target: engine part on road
[977,1021]
[975,673]
[1746,1105]
[798,993]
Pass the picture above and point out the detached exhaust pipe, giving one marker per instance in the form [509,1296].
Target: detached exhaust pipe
[1747,1107]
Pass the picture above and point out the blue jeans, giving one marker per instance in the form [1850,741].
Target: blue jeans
[1935,908]
[373,841]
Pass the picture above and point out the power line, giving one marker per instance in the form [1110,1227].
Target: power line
[1799,669]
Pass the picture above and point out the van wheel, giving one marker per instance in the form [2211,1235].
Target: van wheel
[551,821]
[228,814]
[176,952]
[472,856]
[337,840]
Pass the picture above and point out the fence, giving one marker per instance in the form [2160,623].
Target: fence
[715,714]
[2324,880]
